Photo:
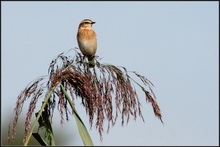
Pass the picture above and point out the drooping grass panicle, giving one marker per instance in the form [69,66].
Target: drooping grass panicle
[106,91]
[33,90]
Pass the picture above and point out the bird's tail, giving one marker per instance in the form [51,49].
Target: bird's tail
[91,61]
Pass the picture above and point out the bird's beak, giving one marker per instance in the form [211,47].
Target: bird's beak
[93,22]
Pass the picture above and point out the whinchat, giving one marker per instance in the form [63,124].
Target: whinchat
[87,41]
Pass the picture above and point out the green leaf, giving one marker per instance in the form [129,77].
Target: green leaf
[87,141]
[38,115]
[82,130]
[45,133]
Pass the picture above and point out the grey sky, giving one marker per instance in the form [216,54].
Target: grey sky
[174,44]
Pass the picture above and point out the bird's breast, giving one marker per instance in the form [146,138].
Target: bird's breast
[87,42]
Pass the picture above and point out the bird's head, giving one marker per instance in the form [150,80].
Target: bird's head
[86,24]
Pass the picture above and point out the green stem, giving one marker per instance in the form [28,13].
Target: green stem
[39,114]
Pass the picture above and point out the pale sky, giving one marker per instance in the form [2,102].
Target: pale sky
[174,44]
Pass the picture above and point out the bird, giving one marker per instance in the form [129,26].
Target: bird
[87,41]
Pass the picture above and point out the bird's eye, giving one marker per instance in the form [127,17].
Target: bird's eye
[86,22]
